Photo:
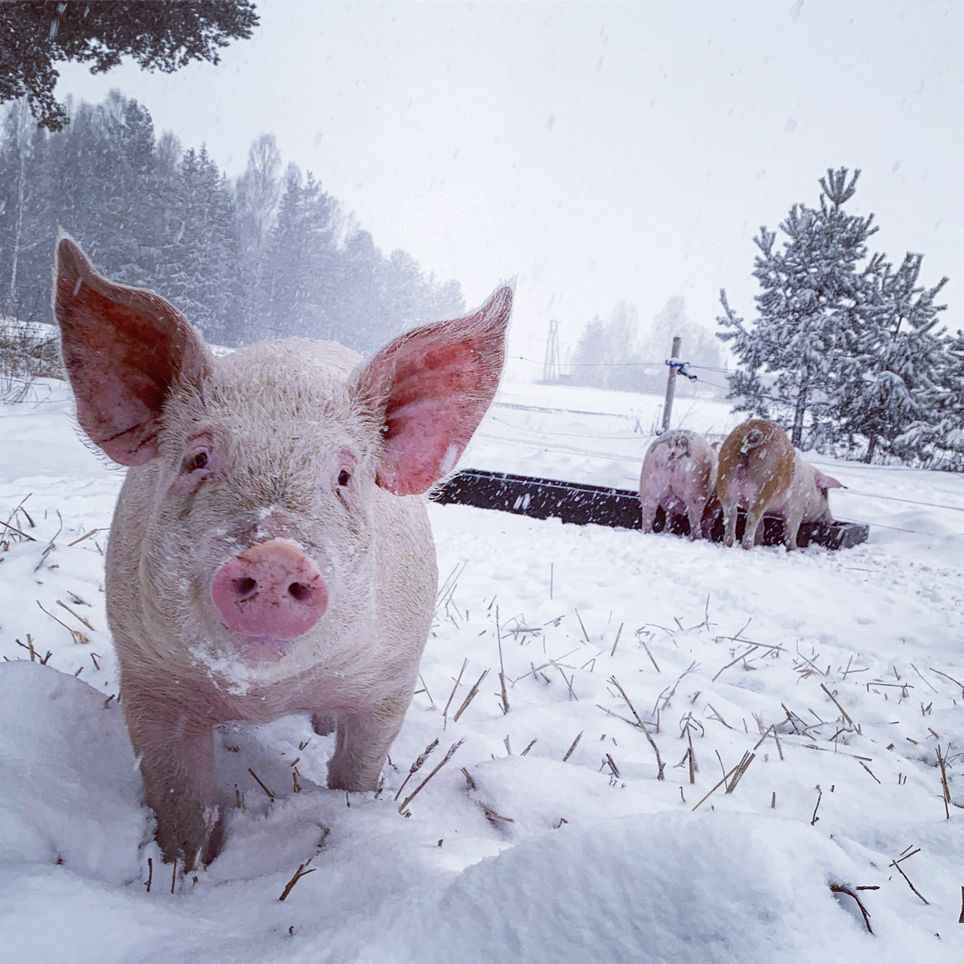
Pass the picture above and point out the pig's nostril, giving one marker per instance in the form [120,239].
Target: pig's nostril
[299,591]
[244,586]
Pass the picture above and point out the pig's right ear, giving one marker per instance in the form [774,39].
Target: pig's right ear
[124,350]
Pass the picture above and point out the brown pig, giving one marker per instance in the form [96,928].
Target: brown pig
[270,551]
[761,471]
[678,476]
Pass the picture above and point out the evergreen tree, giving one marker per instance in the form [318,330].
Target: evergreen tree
[239,262]
[258,194]
[896,365]
[607,353]
[937,435]
[158,34]
[810,311]
[200,251]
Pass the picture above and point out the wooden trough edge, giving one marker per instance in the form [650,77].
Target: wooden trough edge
[582,504]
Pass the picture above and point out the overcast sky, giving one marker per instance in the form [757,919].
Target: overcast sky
[599,152]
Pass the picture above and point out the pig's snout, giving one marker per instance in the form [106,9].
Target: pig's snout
[270,590]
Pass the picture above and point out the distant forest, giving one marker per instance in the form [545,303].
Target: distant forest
[270,253]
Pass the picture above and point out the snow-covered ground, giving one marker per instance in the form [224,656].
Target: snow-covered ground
[823,683]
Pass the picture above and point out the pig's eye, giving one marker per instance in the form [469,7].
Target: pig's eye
[344,477]
[196,461]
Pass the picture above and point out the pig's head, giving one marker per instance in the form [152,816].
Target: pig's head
[265,469]
[824,484]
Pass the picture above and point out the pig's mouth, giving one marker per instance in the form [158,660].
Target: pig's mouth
[263,646]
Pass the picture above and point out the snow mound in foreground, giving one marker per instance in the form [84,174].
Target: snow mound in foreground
[646,887]
[71,793]
[663,887]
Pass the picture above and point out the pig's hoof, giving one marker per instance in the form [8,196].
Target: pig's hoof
[323,725]
[195,849]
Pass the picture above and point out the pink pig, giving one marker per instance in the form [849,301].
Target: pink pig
[679,476]
[270,551]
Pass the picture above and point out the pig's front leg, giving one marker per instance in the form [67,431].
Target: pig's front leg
[362,744]
[176,754]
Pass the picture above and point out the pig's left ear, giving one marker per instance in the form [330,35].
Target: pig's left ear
[429,389]
[826,482]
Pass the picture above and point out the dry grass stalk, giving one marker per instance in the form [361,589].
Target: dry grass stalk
[947,676]
[573,745]
[568,681]
[427,693]
[174,875]
[660,766]
[257,780]
[739,770]
[448,756]
[716,786]
[841,889]
[52,544]
[76,616]
[498,637]
[815,818]
[532,743]
[867,768]
[619,632]
[417,765]
[75,634]
[302,871]
[960,920]
[732,662]
[582,625]
[650,655]
[611,763]
[494,818]
[86,535]
[448,702]
[855,727]
[896,864]
[150,874]
[19,532]
[470,695]
[942,763]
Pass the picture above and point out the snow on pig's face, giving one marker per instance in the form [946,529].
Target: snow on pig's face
[263,470]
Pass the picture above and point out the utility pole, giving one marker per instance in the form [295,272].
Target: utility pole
[671,382]
[551,367]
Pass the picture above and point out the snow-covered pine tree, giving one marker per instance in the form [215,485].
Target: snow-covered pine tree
[809,310]
[896,368]
[937,436]
[200,249]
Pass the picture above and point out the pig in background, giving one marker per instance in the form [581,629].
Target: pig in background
[679,477]
[270,551]
[760,470]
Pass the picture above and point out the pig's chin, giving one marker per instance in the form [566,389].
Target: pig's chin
[262,647]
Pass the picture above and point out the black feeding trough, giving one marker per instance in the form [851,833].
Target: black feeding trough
[582,504]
